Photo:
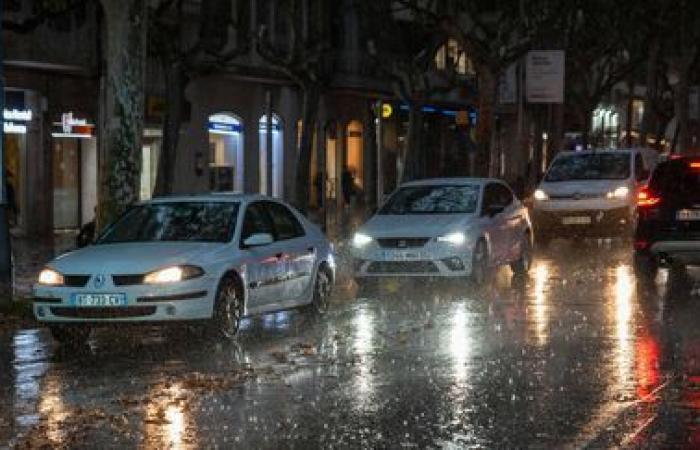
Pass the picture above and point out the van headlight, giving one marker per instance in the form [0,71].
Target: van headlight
[541,195]
[621,193]
[173,274]
[360,240]
[50,277]
[457,238]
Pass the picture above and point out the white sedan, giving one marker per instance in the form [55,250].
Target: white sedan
[448,227]
[214,258]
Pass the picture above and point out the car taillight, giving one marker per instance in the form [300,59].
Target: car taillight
[646,198]
[695,165]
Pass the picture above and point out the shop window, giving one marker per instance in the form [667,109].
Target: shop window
[277,139]
[225,152]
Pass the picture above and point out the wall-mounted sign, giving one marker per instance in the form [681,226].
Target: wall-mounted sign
[224,124]
[11,116]
[387,110]
[71,126]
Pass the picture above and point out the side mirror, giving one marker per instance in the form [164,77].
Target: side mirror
[495,209]
[258,240]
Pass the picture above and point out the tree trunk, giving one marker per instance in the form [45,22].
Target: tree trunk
[122,107]
[681,92]
[311,97]
[411,163]
[650,101]
[175,83]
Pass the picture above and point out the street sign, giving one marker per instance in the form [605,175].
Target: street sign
[544,71]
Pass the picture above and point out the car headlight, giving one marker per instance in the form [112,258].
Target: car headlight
[621,192]
[359,240]
[50,277]
[541,195]
[457,238]
[173,274]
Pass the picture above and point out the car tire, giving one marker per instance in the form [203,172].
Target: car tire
[521,267]
[645,269]
[480,264]
[323,287]
[228,308]
[70,334]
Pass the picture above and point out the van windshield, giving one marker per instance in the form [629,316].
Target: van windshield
[590,166]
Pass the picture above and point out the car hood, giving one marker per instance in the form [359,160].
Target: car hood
[132,258]
[415,225]
[569,188]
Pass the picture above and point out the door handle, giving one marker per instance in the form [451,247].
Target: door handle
[311,250]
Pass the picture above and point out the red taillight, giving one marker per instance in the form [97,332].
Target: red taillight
[641,245]
[646,198]
[695,165]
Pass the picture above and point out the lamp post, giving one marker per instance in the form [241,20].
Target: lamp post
[5,250]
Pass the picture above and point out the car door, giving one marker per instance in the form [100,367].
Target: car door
[493,224]
[264,264]
[512,225]
[299,253]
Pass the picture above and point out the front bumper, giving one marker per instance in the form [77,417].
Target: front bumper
[583,222]
[185,301]
[444,262]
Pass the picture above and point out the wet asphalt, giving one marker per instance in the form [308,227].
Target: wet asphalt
[575,356]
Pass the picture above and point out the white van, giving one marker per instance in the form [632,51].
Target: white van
[591,193]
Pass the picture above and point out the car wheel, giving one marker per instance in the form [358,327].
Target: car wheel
[322,292]
[645,269]
[228,308]
[522,266]
[70,334]
[480,264]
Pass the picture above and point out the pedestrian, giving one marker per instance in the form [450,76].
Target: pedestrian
[348,185]
[11,199]
[87,233]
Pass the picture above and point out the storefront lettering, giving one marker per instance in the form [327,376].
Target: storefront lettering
[24,115]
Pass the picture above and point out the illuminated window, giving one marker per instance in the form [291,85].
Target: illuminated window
[451,56]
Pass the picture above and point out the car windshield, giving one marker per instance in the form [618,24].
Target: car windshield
[590,166]
[181,221]
[445,199]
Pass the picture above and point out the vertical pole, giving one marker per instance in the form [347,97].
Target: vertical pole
[5,249]
[269,183]
[380,139]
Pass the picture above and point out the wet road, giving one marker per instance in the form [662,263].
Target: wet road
[576,356]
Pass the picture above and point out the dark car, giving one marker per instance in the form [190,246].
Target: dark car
[668,229]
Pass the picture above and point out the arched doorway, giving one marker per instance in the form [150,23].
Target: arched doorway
[354,156]
[277,139]
[225,152]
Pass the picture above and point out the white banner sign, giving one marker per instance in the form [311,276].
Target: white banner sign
[545,76]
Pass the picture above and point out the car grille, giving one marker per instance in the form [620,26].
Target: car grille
[402,242]
[402,267]
[75,280]
[103,312]
[576,196]
[127,280]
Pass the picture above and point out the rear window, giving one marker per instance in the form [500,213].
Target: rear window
[676,177]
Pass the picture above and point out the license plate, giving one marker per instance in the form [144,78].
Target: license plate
[576,220]
[688,214]
[401,256]
[99,299]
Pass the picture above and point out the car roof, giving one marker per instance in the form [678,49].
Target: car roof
[597,150]
[211,197]
[451,181]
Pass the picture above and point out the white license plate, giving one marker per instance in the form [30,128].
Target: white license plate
[99,299]
[576,220]
[688,214]
[393,255]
